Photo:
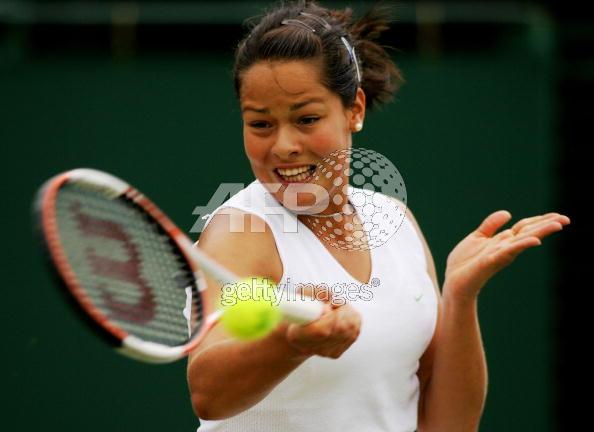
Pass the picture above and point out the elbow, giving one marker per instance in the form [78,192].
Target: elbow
[202,407]
[201,398]
[198,406]
[208,402]
[205,408]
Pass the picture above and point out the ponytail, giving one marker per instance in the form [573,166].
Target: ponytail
[381,78]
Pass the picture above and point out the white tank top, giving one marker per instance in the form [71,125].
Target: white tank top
[373,386]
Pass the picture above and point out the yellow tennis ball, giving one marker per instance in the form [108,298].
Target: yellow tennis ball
[250,310]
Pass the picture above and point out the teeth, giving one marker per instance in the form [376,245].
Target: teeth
[295,174]
[293,171]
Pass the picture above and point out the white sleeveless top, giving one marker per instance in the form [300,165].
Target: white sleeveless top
[373,386]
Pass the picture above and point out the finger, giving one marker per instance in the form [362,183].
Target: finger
[343,336]
[493,222]
[504,235]
[348,322]
[540,231]
[518,226]
[524,223]
[337,351]
[505,254]
[313,332]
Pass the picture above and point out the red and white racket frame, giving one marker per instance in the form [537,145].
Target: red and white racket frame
[121,340]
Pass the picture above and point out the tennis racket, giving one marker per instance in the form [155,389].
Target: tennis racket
[134,276]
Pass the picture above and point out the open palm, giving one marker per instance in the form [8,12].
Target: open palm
[484,252]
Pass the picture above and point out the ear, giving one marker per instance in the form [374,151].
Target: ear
[357,112]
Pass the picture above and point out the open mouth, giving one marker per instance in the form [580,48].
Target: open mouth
[301,174]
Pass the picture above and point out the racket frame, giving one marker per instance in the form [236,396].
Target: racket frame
[122,341]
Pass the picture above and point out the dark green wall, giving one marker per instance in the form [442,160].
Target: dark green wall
[471,134]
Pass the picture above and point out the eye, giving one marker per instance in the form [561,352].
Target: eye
[259,124]
[308,120]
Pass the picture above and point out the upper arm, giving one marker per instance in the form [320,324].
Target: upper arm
[250,252]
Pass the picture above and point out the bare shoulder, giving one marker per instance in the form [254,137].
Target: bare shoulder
[243,243]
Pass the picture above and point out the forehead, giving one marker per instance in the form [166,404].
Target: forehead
[267,83]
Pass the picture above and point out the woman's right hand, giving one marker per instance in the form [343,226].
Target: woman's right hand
[331,334]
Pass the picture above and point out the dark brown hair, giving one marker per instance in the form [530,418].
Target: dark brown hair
[269,39]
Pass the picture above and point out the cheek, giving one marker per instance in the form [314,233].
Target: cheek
[325,142]
[255,150]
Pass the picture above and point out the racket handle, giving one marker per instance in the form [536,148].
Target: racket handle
[301,311]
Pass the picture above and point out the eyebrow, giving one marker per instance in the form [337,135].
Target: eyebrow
[293,107]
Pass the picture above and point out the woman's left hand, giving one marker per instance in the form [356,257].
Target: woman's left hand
[484,252]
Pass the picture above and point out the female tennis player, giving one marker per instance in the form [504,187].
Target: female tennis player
[403,355]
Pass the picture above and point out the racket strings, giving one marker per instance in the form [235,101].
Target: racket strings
[127,266]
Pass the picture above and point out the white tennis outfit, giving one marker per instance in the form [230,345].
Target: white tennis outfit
[373,386]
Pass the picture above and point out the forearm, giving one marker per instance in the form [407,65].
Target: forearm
[455,395]
[230,376]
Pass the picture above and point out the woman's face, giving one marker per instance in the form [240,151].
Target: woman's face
[290,123]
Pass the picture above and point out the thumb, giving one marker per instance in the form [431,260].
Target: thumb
[493,222]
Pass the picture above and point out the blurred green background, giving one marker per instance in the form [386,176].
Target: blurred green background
[143,90]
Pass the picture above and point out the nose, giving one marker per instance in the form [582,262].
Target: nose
[287,145]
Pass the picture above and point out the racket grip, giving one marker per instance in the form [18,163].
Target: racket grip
[301,311]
